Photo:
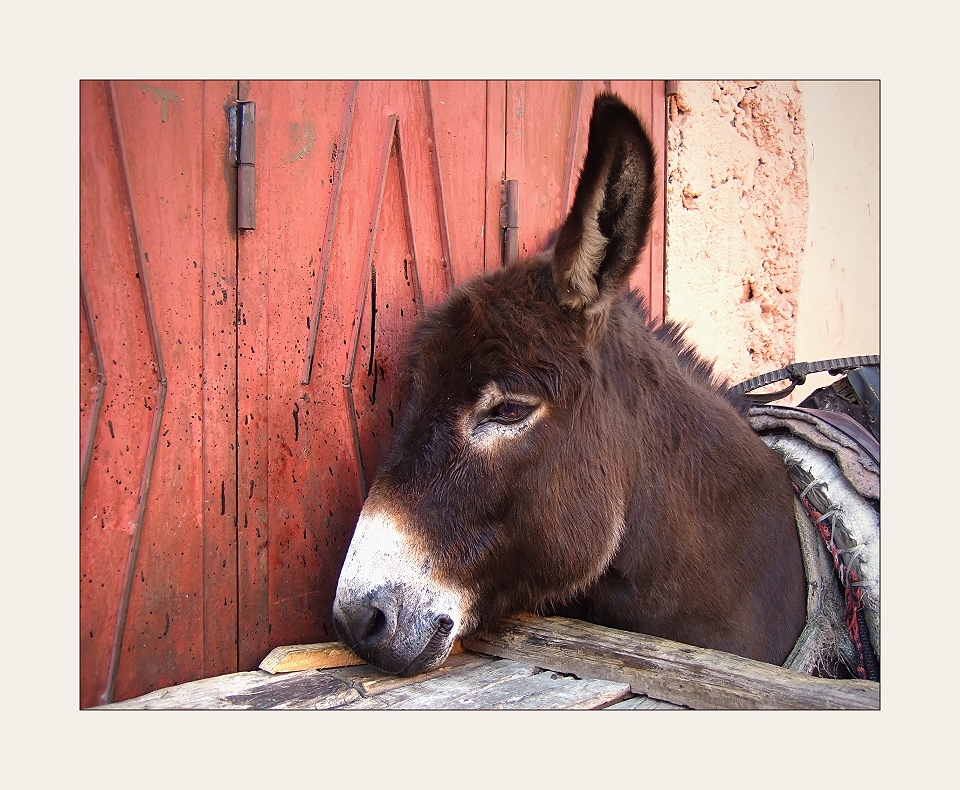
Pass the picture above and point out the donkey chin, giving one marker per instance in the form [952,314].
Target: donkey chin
[389,609]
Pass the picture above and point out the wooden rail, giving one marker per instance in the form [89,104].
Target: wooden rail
[671,671]
[525,662]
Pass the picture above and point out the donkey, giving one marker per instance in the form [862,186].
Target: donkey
[556,451]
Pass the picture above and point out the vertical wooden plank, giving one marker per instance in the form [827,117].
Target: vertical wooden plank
[461,117]
[390,276]
[160,127]
[296,499]
[142,247]
[538,130]
[496,155]
[109,509]
[647,99]
[405,268]
[422,218]
[658,127]
[253,599]
[219,391]
[586,92]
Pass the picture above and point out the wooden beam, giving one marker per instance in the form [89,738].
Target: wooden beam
[682,674]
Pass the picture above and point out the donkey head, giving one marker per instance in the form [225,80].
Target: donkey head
[504,488]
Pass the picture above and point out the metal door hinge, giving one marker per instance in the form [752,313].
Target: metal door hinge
[510,220]
[243,125]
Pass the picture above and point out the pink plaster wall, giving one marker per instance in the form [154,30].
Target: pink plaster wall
[772,242]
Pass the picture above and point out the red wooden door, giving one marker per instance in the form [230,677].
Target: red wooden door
[158,269]
[239,388]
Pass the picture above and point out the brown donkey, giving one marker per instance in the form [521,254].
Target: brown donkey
[555,450]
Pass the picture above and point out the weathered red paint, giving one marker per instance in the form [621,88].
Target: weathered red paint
[648,99]
[293,439]
[144,221]
[546,142]
[225,356]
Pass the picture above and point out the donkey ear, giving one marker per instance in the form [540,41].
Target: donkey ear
[598,243]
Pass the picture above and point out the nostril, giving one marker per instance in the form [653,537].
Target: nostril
[444,624]
[366,623]
[376,624]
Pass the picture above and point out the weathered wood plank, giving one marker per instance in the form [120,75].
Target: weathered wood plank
[256,690]
[545,691]
[670,671]
[441,693]
[502,685]
[369,680]
[643,702]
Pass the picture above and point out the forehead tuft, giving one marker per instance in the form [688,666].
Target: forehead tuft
[506,326]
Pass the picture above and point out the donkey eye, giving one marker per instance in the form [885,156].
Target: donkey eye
[509,412]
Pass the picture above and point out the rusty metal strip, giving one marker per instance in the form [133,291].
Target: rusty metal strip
[511,222]
[388,140]
[355,437]
[158,412]
[101,384]
[371,243]
[447,261]
[247,167]
[392,139]
[345,130]
[573,139]
[408,217]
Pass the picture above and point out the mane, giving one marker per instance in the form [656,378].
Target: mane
[694,366]
[673,335]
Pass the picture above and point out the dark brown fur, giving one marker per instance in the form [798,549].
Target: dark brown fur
[640,495]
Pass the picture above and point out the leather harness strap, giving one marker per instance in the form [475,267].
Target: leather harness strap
[797,372]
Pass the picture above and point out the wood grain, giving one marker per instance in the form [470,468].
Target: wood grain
[500,685]
[255,690]
[684,675]
[369,680]
[293,658]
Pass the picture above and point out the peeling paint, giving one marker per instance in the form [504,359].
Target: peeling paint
[304,138]
[736,205]
[161,94]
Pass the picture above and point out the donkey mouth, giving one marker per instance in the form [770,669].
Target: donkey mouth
[435,651]
[394,643]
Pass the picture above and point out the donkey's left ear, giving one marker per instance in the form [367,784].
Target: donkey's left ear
[598,243]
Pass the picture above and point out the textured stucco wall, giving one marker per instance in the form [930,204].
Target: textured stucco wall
[737,209]
[772,221]
[839,298]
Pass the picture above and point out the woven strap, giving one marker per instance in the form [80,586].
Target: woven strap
[797,372]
